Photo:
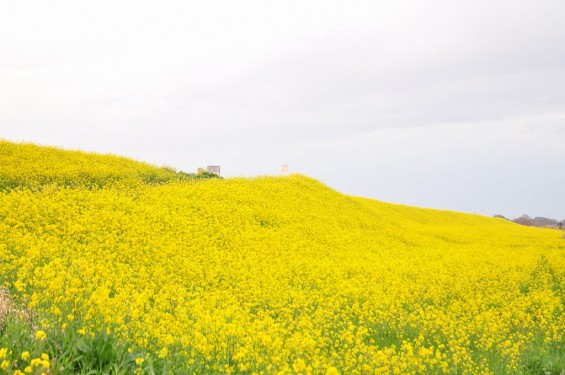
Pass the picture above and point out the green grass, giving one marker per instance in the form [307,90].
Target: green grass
[70,352]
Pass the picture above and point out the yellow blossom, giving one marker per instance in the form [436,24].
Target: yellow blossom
[40,335]
[164,352]
[299,365]
[5,364]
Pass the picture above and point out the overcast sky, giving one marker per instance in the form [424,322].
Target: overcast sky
[447,104]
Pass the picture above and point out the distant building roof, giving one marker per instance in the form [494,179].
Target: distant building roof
[213,169]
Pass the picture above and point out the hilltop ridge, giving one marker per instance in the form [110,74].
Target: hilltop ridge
[30,165]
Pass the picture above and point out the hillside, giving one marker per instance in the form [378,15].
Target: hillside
[31,166]
[275,274]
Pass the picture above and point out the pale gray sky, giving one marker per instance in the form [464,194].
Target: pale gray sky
[448,104]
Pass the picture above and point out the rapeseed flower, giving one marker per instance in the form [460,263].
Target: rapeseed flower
[40,335]
[5,364]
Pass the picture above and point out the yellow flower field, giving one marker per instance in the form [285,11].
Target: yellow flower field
[31,166]
[276,274]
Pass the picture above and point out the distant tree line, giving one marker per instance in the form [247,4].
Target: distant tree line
[537,221]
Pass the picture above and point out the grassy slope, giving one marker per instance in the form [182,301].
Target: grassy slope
[25,164]
[244,271]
